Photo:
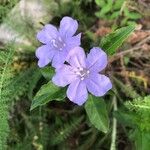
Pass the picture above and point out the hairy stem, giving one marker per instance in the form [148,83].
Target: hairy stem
[114,128]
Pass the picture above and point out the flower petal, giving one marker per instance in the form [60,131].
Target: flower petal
[77,92]
[48,33]
[76,57]
[96,60]
[64,76]
[68,27]
[59,59]
[74,41]
[98,84]
[45,55]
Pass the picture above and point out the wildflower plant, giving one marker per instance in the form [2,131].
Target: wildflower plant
[86,85]
[75,86]
[83,75]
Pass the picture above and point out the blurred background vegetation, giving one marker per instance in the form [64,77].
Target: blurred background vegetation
[63,125]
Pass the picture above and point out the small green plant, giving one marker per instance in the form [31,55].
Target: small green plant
[136,116]
[114,10]
[12,86]
[5,93]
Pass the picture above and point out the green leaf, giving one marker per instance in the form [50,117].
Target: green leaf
[114,40]
[118,4]
[47,93]
[98,14]
[106,9]
[126,12]
[134,15]
[125,117]
[133,23]
[48,72]
[131,15]
[114,15]
[141,139]
[100,3]
[97,113]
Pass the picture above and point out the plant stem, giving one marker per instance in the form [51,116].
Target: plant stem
[114,128]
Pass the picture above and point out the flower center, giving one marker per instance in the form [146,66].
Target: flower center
[82,72]
[58,43]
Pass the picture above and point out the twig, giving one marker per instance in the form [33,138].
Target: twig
[124,70]
[143,41]
[136,47]
[118,55]
[114,129]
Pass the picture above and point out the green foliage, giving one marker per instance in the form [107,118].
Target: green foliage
[5,94]
[112,10]
[48,72]
[62,125]
[4,9]
[136,115]
[65,131]
[34,78]
[48,92]
[141,139]
[141,107]
[12,86]
[106,8]
[128,90]
[97,113]
[113,41]
[21,86]
[139,104]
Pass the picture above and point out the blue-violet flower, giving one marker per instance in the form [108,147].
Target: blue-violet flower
[82,74]
[57,42]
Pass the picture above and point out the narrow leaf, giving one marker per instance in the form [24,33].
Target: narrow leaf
[114,40]
[97,113]
[47,93]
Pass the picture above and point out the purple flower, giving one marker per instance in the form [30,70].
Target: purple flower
[57,42]
[82,75]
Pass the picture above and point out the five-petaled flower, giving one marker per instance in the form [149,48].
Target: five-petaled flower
[82,74]
[57,42]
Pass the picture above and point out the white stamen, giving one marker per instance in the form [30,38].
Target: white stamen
[58,43]
[82,78]
[82,75]
[77,73]
[54,43]
[81,69]
[82,72]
